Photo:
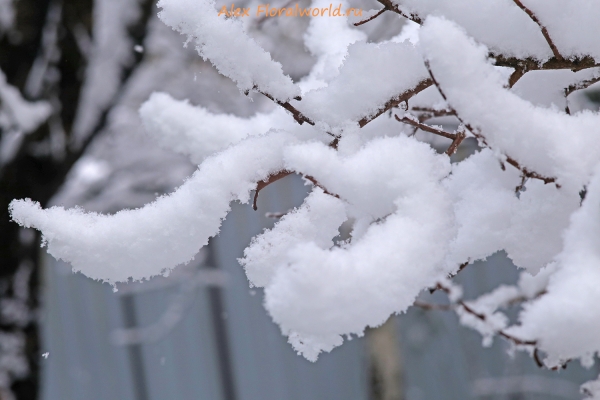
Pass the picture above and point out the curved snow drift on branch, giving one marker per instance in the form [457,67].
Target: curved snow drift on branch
[566,321]
[226,45]
[539,139]
[141,243]
[381,272]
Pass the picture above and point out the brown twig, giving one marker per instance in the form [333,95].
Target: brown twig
[364,21]
[393,7]
[529,64]
[282,174]
[483,317]
[460,136]
[555,51]
[429,306]
[460,268]
[520,188]
[578,86]
[298,116]
[530,174]
[428,112]
[478,135]
[394,102]
[456,137]
[516,75]
[317,184]
[264,183]
[426,128]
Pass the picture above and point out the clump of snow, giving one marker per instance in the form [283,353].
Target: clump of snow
[317,220]
[383,271]
[571,25]
[539,139]
[141,243]
[365,83]
[491,217]
[565,321]
[225,43]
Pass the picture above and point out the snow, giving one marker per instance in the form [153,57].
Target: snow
[565,321]
[414,216]
[225,43]
[365,83]
[539,139]
[571,25]
[141,243]
[195,131]
[309,296]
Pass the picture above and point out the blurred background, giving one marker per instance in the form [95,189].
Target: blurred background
[73,74]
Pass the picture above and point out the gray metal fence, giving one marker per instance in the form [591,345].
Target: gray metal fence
[203,334]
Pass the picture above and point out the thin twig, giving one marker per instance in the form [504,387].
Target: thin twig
[483,317]
[264,183]
[364,21]
[394,102]
[516,75]
[530,174]
[460,136]
[393,7]
[478,135]
[316,183]
[578,86]
[426,128]
[555,51]
[576,64]
[298,116]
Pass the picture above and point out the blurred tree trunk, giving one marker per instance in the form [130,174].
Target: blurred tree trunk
[385,362]
[47,31]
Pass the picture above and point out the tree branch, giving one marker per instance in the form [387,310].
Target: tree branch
[578,86]
[264,183]
[555,51]
[478,135]
[364,21]
[426,128]
[298,116]
[483,317]
[393,7]
[394,102]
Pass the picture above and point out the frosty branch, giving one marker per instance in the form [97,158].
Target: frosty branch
[415,216]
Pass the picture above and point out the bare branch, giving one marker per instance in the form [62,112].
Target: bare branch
[478,135]
[298,116]
[460,136]
[393,7]
[579,86]
[426,128]
[542,27]
[394,102]
[483,317]
[529,174]
[264,183]
[516,75]
[529,64]
[316,183]
[364,21]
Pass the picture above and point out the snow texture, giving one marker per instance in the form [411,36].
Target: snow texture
[225,43]
[141,243]
[415,217]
